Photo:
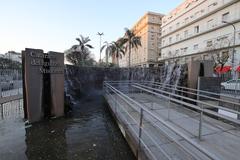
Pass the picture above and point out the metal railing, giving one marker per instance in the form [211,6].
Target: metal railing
[10,82]
[12,110]
[194,92]
[117,99]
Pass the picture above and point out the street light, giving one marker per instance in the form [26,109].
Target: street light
[100,34]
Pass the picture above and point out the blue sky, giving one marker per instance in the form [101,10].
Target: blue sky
[54,24]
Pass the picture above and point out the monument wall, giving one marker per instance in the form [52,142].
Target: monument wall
[43,84]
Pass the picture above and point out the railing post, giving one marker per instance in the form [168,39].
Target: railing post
[140,132]
[0,91]
[115,103]
[104,87]
[169,103]
[1,105]
[200,123]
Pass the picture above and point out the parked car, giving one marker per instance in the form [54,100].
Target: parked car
[231,85]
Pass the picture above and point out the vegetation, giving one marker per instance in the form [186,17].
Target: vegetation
[9,64]
[131,41]
[108,50]
[220,58]
[80,54]
[118,50]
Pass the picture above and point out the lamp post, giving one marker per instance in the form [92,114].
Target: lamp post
[100,34]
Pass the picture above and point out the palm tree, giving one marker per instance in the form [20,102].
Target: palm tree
[83,43]
[131,41]
[108,50]
[118,49]
[80,53]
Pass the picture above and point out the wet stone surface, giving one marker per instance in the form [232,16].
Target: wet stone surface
[90,133]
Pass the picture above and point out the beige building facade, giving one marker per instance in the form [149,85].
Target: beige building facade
[149,29]
[197,29]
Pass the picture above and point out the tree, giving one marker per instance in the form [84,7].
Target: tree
[9,64]
[131,41]
[220,57]
[118,49]
[80,54]
[108,50]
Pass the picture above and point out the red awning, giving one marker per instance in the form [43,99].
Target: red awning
[224,69]
[238,69]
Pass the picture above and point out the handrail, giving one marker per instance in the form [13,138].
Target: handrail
[191,105]
[196,94]
[137,134]
[194,100]
[176,86]
[169,126]
[155,126]
[196,90]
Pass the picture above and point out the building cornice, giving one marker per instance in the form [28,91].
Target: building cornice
[199,34]
[147,14]
[198,19]
[183,14]
[200,53]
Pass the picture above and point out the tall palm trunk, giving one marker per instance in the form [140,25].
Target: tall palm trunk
[129,63]
[117,60]
[129,55]
[107,58]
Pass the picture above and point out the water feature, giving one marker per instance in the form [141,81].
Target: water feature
[89,132]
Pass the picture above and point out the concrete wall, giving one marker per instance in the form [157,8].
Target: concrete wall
[93,77]
[211,84]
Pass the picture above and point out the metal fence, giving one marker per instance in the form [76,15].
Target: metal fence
[10,82]
[12,110]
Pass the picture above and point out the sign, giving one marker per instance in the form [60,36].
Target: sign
[43,84]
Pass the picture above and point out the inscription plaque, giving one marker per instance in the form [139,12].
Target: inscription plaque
[43,84]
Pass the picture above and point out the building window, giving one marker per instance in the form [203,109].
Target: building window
[225,16]
[196,14]
[186,33]
[209,43]
[163,42]
[170,39]
[170,29]
[211,6]
[185,49]
[177,37]
[196,29]
[195,47]
[186,20]
[151,65]
[178,24]
[177,52]
[210,23]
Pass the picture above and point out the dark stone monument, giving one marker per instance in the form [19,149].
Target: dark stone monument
[43,84]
